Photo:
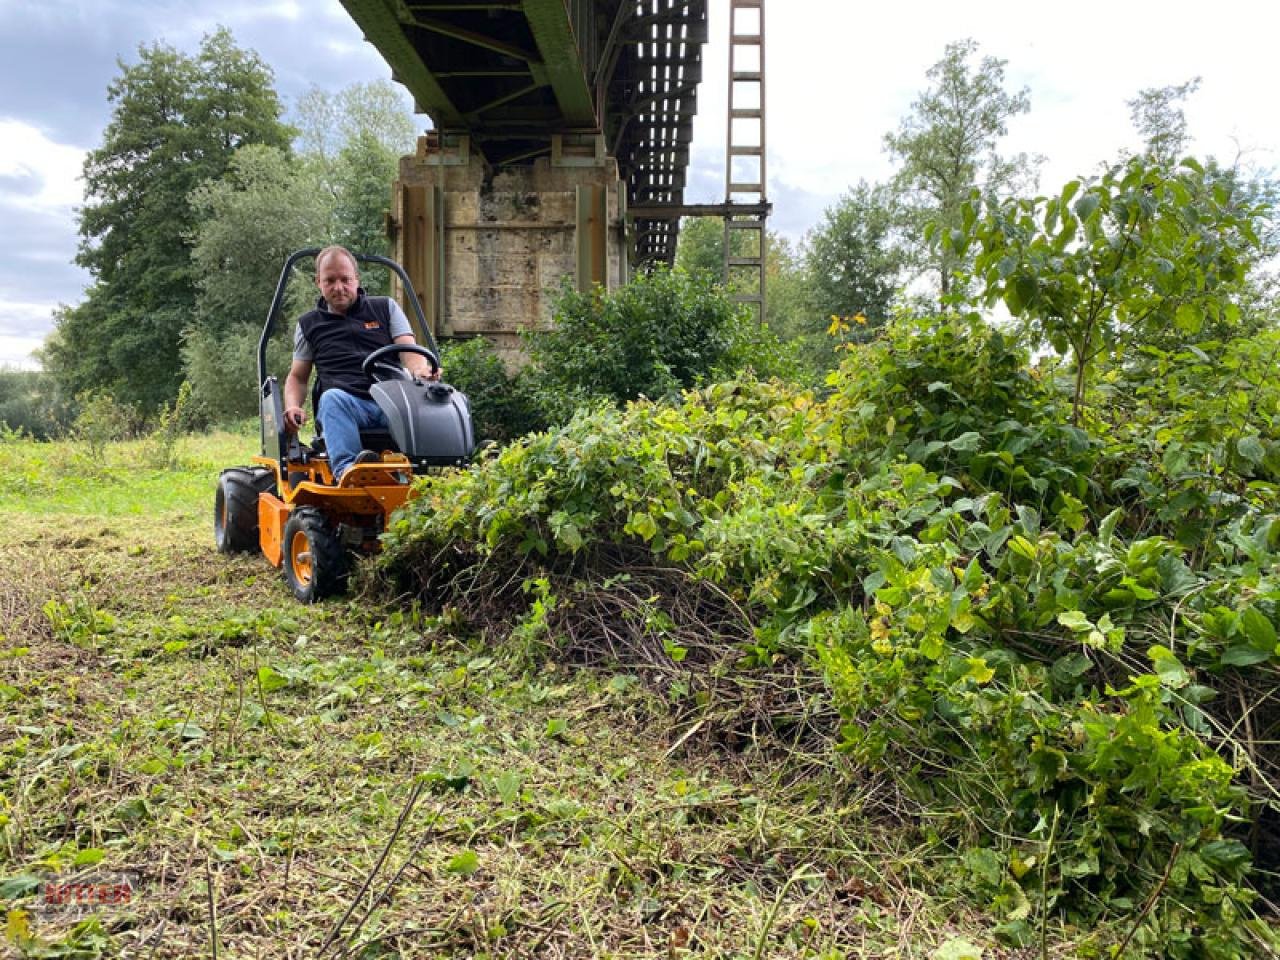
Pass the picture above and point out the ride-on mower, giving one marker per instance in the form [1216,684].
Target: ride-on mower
[289,506]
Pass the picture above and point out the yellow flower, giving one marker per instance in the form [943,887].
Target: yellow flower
[860,319]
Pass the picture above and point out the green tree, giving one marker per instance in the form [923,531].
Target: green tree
[264,207]
[947,148]
[1156,113]
[353,141]
[700,250]
[365,171]
[1139,251]
[327,122]
[176,122]
[789,306]
[854,261]
[31,404]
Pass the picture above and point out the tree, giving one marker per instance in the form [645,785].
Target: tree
[853,258]
[700,250]
[947,147]
[263,208]
[1139,251]
[365,171]
[1157,115]
[353,140]
[176,122]
[664,331]
[327,122]
[789,306]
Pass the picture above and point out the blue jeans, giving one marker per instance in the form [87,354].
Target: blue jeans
[342,417]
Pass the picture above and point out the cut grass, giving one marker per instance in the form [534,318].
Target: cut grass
[174,712]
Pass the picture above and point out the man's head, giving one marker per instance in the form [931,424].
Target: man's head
[337,278]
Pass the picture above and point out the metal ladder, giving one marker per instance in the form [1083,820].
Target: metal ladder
[746,181]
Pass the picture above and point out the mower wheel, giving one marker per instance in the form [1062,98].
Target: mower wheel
[315,563]
[235,507]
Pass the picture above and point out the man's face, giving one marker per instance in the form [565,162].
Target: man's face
[338,280]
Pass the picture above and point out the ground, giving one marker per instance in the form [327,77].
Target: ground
[359,779]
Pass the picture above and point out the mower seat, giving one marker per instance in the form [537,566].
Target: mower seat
[377,440]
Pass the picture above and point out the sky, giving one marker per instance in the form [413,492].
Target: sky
[839,75]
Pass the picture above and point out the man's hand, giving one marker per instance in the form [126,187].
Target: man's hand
[426,374]
[294,418]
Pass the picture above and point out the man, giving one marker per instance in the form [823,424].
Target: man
[344,328]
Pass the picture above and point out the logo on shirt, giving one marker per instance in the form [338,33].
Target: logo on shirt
[371,324]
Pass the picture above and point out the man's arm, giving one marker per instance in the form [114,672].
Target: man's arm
[295,394]
[415,363]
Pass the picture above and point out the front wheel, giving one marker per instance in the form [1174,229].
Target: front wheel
[315,563]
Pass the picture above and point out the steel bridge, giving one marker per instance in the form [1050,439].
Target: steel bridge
[510,75]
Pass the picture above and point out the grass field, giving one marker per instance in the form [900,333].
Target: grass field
[359,779]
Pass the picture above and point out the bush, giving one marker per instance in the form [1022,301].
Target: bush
[160,448]
[31,404]
[100,420]
[503,405]
[664,331]
[959,590]
[223,370]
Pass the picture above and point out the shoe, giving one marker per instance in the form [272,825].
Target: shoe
[364,456]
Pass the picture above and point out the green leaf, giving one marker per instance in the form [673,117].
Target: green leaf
[508,784]
[1171,673]
[1066,670]
[967,442]
[1075,621]
[1258,628]
[1226,855]
[19,885]
[556,726]
[1188,318]
[1243,655]
[89,857]
[1023,547]
[269,680]
[1028,289]
[1251,449]
[464,864]
[1107,528]
[957,949]
[1086,206]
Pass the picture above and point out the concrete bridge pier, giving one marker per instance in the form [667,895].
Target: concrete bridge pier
[487,249]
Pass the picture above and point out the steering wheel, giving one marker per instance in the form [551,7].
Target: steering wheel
[378,367]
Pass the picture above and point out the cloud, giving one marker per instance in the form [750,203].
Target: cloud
[36,173]
[23,327]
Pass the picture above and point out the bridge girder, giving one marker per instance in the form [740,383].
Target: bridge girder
[512,73]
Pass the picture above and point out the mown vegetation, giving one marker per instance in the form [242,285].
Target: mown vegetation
[1053,646]
[172,715]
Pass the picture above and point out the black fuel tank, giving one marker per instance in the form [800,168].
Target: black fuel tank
[430,422]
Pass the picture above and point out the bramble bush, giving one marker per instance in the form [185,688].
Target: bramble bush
[1058,642]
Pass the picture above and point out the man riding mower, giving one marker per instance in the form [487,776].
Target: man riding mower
[310,507]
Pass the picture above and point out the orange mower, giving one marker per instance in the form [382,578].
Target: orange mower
[287,504]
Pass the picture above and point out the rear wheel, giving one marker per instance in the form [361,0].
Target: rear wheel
[315,563]
[235,507]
